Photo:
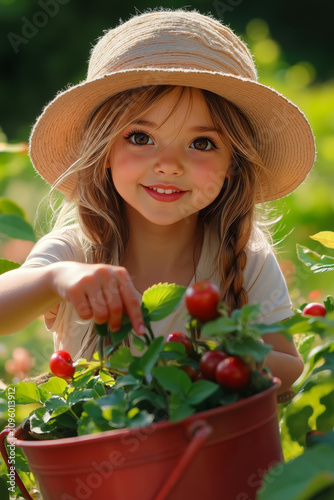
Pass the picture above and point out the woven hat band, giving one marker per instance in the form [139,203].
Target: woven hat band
[181,41]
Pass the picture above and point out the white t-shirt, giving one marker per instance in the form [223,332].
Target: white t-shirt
[263,281]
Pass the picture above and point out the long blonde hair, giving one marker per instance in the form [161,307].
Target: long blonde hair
[98,206]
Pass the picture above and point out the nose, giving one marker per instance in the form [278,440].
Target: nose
[169,163]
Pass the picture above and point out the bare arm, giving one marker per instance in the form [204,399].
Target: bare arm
[97,291]
[283,361]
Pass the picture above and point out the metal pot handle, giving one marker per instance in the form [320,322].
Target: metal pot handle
[199,430]
[4,454]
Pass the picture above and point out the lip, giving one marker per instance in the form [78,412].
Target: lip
[163,196]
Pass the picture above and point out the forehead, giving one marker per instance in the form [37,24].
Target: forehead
[178,104]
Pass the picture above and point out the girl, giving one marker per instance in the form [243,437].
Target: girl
[162,153]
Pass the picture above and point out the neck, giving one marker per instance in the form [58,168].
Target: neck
[162,253]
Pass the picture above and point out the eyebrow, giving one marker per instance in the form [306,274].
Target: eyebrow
[198,128]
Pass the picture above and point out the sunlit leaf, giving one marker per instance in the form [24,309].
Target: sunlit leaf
[326,238]
[162,299]
[25,393]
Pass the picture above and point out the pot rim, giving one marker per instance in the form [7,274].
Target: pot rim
[155,426]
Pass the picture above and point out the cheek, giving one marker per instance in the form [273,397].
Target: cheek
[123,169]
[210,182]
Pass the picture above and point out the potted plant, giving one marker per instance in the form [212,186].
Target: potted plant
[191,415]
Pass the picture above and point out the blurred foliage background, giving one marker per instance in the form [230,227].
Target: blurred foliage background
[45,46]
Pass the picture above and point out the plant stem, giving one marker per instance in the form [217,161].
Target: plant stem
[100,351]
[74,414]
[150,331]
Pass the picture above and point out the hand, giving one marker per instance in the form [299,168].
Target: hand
[99,292]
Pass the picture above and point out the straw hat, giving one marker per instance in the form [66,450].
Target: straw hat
[176,48]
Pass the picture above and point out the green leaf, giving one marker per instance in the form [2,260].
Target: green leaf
[301,416]
[301,478]
[8,206]
[16,227]
[7,265]
[56,403]
[120,359]
[146,395]
[138,343]
[102,330]
[219,327]
[249,312]
[325,421]
[162,299]
[316,262]
[172,379]
[297,423]
[136,370]
[92,419]
[305,345]
[83,378]
[329,303]
[118,337]
[26,393]
[80,396]
[106,378]
[140,419]
[179,408]
[200,390]
[116,399]
[327,365]
[126,381]
[249,347]
[54,386]
[116,418]
[151,356]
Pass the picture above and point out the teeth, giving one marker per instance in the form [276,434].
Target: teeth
[165,191]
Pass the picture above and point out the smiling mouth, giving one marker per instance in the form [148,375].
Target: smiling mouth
[164,191]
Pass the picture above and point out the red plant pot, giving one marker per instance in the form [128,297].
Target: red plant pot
[219,454]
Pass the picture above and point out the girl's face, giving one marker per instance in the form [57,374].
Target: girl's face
[168,166]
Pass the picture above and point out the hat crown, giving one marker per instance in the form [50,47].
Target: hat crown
[171,40]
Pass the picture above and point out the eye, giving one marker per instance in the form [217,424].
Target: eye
[203,144]
[139,138]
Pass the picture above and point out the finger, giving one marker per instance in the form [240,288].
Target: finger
[99,306]
[115,315]
[130,300]
[82,306]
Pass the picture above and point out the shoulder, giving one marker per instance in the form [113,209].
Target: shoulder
[66,243]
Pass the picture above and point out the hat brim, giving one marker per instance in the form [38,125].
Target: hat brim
[283,134]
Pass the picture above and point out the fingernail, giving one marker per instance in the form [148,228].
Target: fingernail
[141,329]
[114,328]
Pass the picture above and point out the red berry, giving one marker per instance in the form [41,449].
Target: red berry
[61,364]
[190,371]
[179,337]
[233,373]
[209,362]
[202,299]
[314,309]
